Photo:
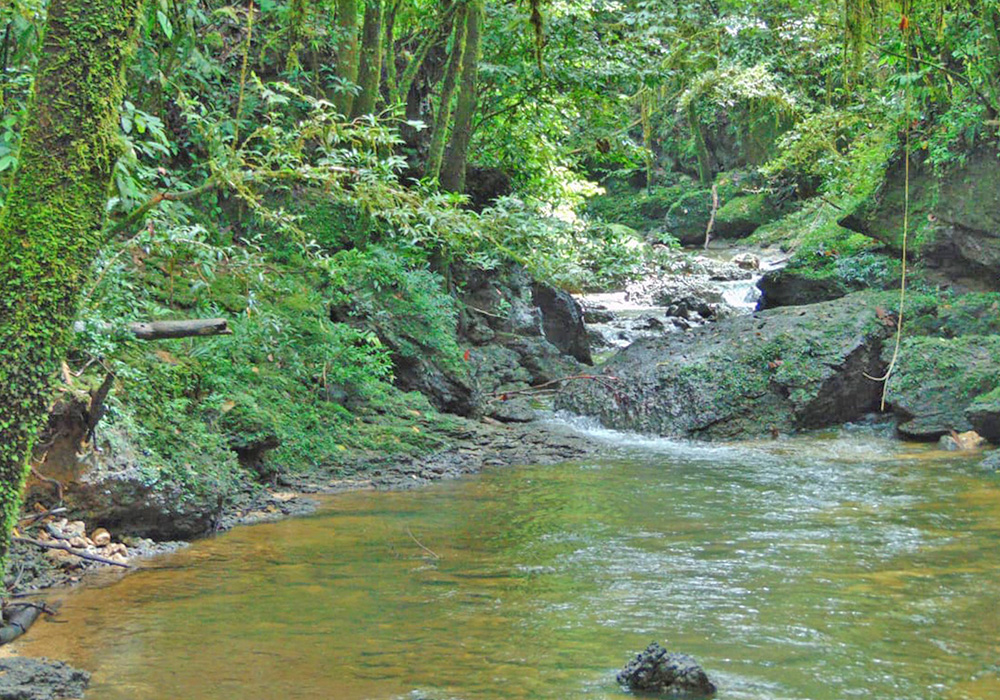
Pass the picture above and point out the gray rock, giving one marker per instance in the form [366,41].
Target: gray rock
[940,384]
[562,321]
[991,461]
[656,670]
[955,217]
[788,368]
[984,415]
[40,679]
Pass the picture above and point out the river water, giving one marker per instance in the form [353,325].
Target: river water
[842,565]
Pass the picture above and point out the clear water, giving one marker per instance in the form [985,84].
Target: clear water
[839,566]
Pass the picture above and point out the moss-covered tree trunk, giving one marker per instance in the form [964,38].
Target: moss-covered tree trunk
[442,120]
[346,68]
[50,227]
[370,69]
[455,158]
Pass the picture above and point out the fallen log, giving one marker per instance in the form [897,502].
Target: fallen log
[159,330]
[18,617]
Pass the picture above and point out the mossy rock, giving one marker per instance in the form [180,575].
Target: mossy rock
[936,380]
[948,315]
[642,210]
[812,279]
[743,376]
[954,217]
[984,415]
[743,215]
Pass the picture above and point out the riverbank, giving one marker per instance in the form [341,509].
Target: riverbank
[472,446]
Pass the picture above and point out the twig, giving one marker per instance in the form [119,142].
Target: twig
[419,544]
[72,550]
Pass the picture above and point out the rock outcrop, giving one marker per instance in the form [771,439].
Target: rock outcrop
[781,369]
[658,671]
[955,217]
[937,384]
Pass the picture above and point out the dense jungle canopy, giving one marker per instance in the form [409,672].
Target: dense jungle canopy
[331,175]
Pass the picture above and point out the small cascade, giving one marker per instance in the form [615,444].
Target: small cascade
[700,290]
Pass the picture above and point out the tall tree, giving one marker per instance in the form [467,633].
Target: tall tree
[442,119]
[454,166]
[346,68]
[370,69]
[50,228]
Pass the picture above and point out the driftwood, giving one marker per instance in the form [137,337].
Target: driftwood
[159,330]
[62,546]
[18,617]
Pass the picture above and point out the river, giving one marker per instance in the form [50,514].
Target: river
[834,566]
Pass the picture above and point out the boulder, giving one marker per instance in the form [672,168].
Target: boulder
[446,388]
[991,462]
[984,415]
[741,216]
[128,489]
[954,216]
[795,286]
[936,382]
[562,321]
[658,671]
[801,367]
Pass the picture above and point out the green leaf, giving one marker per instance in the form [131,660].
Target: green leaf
[168,31]
[7,162]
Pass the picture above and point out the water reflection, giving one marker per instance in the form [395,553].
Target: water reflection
[844,566]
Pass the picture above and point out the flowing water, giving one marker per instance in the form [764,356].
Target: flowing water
[836,566]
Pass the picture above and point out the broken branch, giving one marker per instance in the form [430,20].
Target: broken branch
[159,330]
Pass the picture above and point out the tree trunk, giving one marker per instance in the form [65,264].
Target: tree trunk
[50,229]
[453,168]
[389,54]
[370,70]
[443,117]
[346,68]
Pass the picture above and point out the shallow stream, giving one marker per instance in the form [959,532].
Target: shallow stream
[837,566]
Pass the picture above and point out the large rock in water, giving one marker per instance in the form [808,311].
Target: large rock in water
[656,670]
[787,368]
[945,384]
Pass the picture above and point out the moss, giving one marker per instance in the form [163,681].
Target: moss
[742,215]
[50,226]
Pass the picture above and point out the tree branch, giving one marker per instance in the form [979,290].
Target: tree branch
[159,330]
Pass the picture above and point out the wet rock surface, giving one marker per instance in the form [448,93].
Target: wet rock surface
[660,672]
[782,369]
[40,679]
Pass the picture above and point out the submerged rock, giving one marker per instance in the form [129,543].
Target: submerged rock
[788,368]
[40,679]
[656,670]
